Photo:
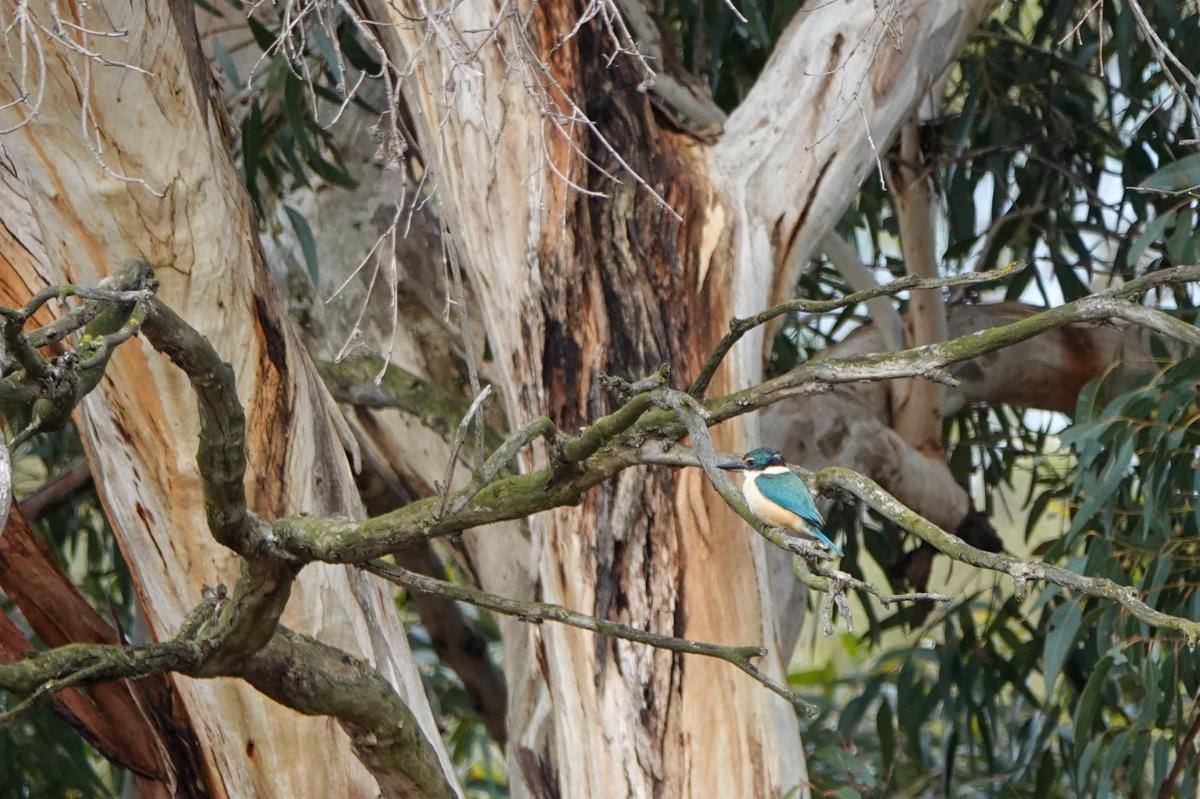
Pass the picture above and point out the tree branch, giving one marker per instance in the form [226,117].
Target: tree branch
[293,669]
[110,316]
[1022,572]
[60,487]
[346,541]
[226,635]
[929,361]
[353,381]
[885,316]
[831,581]
[537,612]
[1183,754]
[689,99]
[740,327]
[239,637]
[221,455]
[320,680]
[134,724]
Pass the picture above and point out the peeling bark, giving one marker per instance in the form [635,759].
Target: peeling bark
[75,221]
[619,285]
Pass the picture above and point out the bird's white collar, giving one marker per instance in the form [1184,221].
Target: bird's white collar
[768,470]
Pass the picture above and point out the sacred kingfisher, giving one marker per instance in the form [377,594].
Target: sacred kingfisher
[777,496]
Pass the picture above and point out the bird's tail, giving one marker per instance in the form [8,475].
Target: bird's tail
[819,533]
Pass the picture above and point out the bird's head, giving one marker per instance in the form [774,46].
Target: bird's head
[756,460]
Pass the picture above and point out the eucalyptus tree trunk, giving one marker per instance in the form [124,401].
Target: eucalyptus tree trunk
[570,284]
[164,187]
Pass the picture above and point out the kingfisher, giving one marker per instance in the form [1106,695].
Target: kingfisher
[777,496]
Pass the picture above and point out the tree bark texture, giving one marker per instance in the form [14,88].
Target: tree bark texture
[70,219]
[570,285]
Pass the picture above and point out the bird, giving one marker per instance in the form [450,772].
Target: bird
[777,496]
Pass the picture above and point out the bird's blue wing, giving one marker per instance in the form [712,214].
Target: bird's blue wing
[789,491]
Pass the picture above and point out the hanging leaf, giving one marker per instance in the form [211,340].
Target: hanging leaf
[308,244]
[1064,625]
[1181,175]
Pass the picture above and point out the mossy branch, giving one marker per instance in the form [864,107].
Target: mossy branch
[221,454]
[806,557]
[809,571]
[243,630]
[353,381]
[109,316]
[295,670]
[227,636]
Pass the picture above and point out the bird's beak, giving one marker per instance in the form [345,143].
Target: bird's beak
[736,466]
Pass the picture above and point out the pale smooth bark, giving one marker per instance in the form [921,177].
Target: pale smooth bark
[917,404]
[77,221]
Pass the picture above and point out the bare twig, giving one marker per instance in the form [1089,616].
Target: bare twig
[459,437]
[739,327]
[833,581]
[450,252]
[1183,753]
[740,656]
[1163,54]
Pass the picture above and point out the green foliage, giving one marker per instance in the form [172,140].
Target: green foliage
[717,49]
[1053,695]
[284,140]
[283,106]
[40,756]
[480,762]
